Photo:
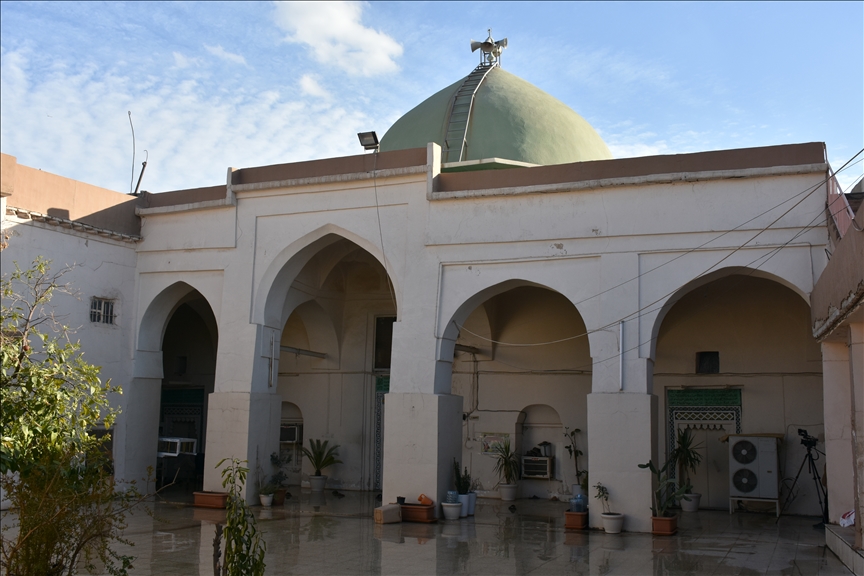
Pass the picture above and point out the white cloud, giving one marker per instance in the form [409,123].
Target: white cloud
[637,149]
[334,33]
[310,86]
[74,123]
[220,52]
[183,61]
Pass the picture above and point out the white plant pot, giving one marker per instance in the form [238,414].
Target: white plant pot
[612,523]
[465,500]
[266,500]
[451,510]
[692,505]
[472,503]
[316,483]
[507,491]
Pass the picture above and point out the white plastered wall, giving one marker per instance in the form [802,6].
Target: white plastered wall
[101,268]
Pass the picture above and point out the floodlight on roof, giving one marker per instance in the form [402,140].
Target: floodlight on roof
[369,140]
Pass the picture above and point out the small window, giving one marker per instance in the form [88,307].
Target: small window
[708,362]
[182,362]
[102,311]
[383,341]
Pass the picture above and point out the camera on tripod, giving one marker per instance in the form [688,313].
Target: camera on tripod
[806,439]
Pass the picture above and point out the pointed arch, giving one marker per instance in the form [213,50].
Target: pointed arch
[287,264]
[707,279]
[158,311]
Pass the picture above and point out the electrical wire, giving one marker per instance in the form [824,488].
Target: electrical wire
[807,191]
[579,368]
[380,231]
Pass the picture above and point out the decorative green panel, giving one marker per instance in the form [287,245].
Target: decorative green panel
[703,397]
[382,384]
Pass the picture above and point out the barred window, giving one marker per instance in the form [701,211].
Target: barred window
[102,311]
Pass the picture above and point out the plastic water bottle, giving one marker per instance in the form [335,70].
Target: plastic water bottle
[577,504]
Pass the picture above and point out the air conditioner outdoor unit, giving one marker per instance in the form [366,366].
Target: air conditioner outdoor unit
[753,467]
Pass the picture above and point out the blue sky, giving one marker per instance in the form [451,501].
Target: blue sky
[212,85]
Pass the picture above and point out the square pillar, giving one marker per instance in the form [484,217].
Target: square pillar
[622,433]
[838,428]
[241,425]
[422,436]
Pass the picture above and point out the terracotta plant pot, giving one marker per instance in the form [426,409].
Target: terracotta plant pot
[612,523]
[316,483]
[210,499]
[664,525]
[692,505]
[507,491]
[418,513]
[576,520]
[279,497]
[451,511]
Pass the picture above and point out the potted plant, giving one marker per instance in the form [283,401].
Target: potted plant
[664,522]
[265,489]
[687,459]
[321,456]
[575,453]
[463,486]
[265,494]
[508,468]
[280,477]
[612,521]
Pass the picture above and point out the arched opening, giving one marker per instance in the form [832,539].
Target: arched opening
[523,346]
[736,356]
[189,349]
[334,361]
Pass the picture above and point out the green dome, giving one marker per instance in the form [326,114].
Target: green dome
[511,119]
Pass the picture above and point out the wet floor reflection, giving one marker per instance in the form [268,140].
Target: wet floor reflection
[330,535]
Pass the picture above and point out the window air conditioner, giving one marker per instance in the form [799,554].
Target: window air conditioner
[289,433]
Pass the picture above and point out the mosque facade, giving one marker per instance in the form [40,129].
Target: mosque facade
[490,272]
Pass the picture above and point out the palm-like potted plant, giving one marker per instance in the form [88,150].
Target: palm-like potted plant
[612,521]
[508,467]
[687,459]
[321,456]
[663,521]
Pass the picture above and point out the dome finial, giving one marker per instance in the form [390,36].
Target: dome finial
[490,50]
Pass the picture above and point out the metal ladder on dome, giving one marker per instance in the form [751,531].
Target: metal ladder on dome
[460,114]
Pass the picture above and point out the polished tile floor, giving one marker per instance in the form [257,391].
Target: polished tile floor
[333,535]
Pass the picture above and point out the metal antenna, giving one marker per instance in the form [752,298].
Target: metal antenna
[132,178]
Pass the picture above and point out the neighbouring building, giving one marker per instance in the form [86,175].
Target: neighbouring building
[492,272]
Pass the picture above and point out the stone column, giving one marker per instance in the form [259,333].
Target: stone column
[856,377]
[422,419]
[622,411]
[244,411]
[138,436]
[838,427]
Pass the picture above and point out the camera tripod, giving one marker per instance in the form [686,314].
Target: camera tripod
[821,492]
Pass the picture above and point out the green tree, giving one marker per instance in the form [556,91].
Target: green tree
[54,469]
[244,547]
